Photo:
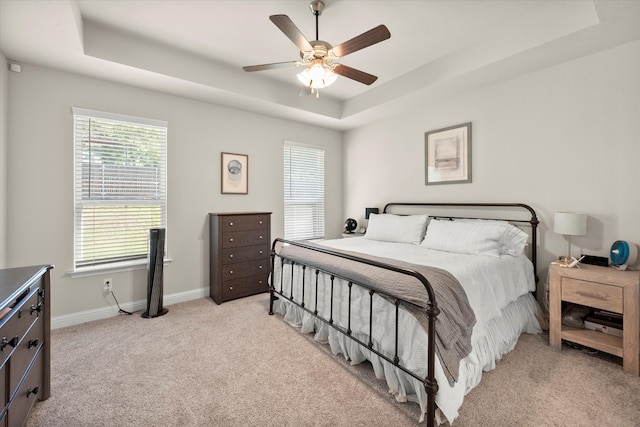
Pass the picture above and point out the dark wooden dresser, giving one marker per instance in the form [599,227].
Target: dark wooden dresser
[238,254]
[24,347]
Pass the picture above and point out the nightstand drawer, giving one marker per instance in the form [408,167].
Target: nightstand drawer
[592,294]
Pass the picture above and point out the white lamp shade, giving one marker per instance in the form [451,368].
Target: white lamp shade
[317,76]
[570,223]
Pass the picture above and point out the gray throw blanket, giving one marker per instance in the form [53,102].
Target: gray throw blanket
[455,322]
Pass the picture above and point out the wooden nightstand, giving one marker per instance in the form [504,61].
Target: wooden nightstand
[598,287]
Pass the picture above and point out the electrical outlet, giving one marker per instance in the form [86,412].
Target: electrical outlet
[107,283]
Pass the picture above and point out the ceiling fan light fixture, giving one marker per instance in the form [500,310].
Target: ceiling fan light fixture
[317,76]
[304,77]
[316,72]
[329,76]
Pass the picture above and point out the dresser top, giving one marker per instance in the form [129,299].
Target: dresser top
[240,213]
[14,280]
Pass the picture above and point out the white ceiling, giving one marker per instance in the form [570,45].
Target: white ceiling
[197,48]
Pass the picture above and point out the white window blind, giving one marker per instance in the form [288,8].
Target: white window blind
[303,191]
[120,181]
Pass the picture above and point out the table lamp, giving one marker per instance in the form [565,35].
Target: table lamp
[570,224]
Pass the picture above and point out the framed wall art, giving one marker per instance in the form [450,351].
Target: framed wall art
[448,155]
[235,173]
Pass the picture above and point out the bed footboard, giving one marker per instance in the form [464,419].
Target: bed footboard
[279,289]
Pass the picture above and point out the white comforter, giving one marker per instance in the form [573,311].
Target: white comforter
[498,292]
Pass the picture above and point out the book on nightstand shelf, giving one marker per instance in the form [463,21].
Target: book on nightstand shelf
[604,321]
[608,315]
[596,325]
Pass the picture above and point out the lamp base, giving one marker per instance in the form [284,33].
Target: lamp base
[562,261]
[568,262]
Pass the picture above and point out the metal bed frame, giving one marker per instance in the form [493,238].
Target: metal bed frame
[429,382]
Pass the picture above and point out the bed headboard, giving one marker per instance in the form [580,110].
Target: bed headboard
[518,214]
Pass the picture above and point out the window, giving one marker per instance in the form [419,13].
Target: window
[303,191]
[120,181]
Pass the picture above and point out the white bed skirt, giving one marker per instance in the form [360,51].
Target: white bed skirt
[490,343]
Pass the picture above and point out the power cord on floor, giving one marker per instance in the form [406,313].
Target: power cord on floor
[120,310]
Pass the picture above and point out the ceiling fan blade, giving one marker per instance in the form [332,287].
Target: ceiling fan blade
[373,36]
[352,73]
[272,66]
[290,30]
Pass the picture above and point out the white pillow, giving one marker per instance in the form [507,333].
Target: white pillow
[476,238]
[513,240]
[397,228]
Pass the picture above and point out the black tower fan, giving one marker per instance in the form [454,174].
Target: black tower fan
[155,264]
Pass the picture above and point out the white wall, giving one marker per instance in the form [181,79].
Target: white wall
[4,81]
[40,162]
[564,138]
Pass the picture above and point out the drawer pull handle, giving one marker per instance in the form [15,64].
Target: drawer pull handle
[230,255]
[34,343]
[260,237]
[230,288]
[37,308]
[230,271]
[260,252]
[41,293]
[260,267]
[260,222]
[260,282]
[13,342]
[231,239]
[231,224]
[34,390]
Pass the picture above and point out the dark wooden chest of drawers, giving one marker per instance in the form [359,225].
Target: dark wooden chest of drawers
[24,341]
[238,254]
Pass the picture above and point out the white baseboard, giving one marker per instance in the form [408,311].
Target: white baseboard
[106,312]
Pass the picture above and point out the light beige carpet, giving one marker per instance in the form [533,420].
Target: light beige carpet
[204,364]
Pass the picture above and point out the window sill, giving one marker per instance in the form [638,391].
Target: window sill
[111,268]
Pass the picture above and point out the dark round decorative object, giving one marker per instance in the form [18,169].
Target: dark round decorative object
[350,225]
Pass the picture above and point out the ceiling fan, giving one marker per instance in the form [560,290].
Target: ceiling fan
[318,56]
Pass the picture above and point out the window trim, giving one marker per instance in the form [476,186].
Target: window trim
[115,267]
[286,144]
[77,111]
